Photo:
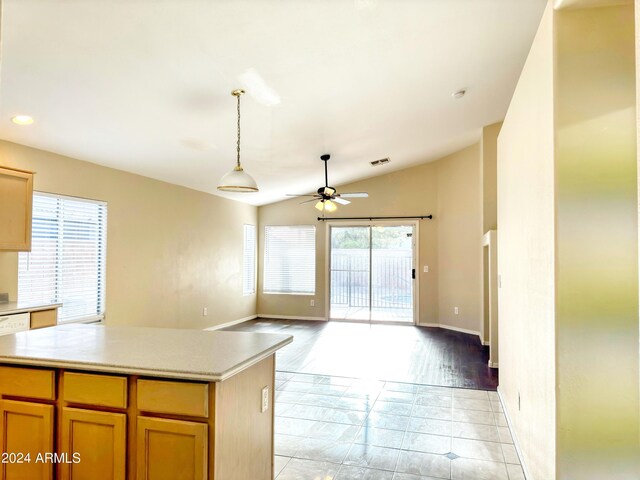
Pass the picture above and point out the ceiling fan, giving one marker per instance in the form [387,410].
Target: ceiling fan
[327,196]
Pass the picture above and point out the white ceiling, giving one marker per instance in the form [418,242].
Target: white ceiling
[144,85]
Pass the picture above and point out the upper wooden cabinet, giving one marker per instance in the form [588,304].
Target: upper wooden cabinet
[16,197]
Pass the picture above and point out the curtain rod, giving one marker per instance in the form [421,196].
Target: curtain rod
[419,217]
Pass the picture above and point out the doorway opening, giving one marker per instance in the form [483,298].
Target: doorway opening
[372,272]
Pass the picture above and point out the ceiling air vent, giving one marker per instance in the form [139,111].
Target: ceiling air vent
[377,163]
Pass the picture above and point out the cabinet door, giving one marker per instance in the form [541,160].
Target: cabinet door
[171,449]
[99,442]
[26,428]
[16,197]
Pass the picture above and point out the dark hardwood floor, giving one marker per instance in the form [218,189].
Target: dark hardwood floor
[396,353]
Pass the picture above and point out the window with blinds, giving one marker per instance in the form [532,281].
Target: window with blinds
[249,261]
[290,259]
[67,259]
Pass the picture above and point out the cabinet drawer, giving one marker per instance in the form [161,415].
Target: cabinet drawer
[44,318]
[100,390]
[28,383]
[177,398]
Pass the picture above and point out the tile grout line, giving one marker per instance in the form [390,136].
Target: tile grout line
[378,398]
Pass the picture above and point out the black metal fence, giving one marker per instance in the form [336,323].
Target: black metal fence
[391,281]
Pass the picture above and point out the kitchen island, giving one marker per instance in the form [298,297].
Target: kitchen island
[97,402]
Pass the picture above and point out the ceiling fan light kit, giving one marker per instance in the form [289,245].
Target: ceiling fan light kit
[237,180]
[326,206]
[327,197]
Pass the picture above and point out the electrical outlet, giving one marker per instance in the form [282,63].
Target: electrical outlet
[455,310]
[426,269]
[205,311]
[312,303]
[265,399]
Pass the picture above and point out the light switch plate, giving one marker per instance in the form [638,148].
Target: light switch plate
[265,399]
[426,269]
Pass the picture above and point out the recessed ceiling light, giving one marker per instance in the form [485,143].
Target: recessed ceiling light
[22,120]
[459,94]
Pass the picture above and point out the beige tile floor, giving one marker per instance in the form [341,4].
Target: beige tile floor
[335,428]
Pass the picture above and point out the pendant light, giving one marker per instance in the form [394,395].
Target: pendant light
[237,180]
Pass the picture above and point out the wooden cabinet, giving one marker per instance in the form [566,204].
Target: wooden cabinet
[98,390]
[26,429]
[175,398]
[16,197]
[28,382]
[44,318]
[171,449]
[94,444]
[136,428]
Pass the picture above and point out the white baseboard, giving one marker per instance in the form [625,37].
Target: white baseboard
[493,364]
[291,317]
[516,444]
[231,323]
[449,327]
[486,343]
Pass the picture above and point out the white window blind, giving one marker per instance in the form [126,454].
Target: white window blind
[290,259]
[249,260]
[67,259]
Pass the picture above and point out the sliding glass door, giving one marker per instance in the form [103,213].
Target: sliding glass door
[371,273]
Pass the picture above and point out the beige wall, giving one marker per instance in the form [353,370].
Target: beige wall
[489,145]
[597,240]
[459,219]
[489,148]
[170,250]
[450,244]
[526,258]
[568,237]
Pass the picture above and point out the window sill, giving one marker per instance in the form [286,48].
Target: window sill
[290,293]
[93,319]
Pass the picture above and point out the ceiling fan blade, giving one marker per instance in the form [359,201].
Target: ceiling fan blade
[341,201]
[300,195]
[309,201]
[353,195]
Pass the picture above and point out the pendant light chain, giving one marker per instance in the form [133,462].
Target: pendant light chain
[237,180]
[238,144]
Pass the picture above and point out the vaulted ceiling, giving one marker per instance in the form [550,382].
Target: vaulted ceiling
[144,85]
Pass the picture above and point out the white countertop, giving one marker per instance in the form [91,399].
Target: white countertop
[159,352]
[9,308]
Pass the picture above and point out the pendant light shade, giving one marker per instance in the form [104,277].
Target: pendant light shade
[237,180]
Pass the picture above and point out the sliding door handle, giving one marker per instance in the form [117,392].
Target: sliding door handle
[413,273]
